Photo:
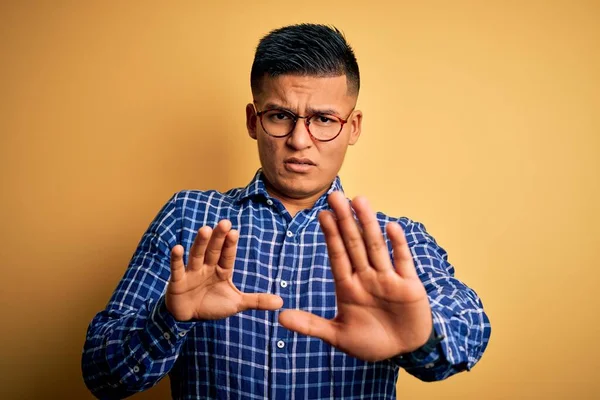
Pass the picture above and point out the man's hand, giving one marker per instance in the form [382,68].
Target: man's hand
[204,290]
[383,311]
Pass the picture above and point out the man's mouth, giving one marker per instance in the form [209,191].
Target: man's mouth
[299,165]
[300,161]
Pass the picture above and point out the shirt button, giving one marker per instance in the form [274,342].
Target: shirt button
[430,365]
[181,334]
[283,284]
[166,335]
[290,233]
[270,202]
[136,369]
[280,344]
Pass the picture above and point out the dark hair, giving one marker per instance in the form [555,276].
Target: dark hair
[304,49]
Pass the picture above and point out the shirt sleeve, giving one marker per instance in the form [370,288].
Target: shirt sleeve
[458,315]
[135,341]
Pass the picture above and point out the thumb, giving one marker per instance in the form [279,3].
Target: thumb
[309,324]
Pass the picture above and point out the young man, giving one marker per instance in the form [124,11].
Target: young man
[284,289]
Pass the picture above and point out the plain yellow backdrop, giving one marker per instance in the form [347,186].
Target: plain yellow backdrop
[481,120]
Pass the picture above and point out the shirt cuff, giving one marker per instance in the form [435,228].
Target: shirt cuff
[433,355]
[166,332]
[161,338]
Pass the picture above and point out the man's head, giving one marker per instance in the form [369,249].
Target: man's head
[303,71]
[304,50]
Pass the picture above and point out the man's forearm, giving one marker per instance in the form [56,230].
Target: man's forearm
[127,354]
[457,311]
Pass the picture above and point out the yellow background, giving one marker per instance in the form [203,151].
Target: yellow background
[481,121]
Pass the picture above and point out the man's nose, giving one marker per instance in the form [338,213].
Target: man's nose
[300,137]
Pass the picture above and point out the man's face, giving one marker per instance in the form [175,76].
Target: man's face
[298,166]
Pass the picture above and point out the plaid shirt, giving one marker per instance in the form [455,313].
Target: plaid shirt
[135,342]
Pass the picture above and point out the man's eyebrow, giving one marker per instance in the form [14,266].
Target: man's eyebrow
[309,110]
[274,106]
[327,111]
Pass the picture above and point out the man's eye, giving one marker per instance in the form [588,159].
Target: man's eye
[278,116]
[323,120]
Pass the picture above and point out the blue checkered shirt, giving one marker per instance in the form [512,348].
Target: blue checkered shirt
[135,342]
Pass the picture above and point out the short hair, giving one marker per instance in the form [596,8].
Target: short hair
[306,50]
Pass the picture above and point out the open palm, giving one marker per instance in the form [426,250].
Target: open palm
[383,309]
[205,290]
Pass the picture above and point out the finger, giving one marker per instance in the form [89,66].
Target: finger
[349,231]
[198,250]
[310,325]
[261,301]
[377,250]
[229,250]
[405,266]
[215,244]
[177,266]
[341,268]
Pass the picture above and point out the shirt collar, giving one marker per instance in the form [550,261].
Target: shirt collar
[257,187]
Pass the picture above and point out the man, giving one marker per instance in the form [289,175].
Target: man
[284,289]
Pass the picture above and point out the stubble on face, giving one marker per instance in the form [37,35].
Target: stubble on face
[298,168]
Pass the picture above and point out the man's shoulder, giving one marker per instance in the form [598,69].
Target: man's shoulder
[384,219]
[195,197]
[414,231]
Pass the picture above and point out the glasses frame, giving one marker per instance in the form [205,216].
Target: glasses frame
[306,118]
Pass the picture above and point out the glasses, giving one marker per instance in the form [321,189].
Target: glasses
[280,123]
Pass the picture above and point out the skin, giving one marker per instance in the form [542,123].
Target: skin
[378,301]
[303,95]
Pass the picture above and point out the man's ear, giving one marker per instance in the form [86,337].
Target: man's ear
[355,127]
[251,120]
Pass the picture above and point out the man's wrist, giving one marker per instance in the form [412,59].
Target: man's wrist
[430,346]
[432,342]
